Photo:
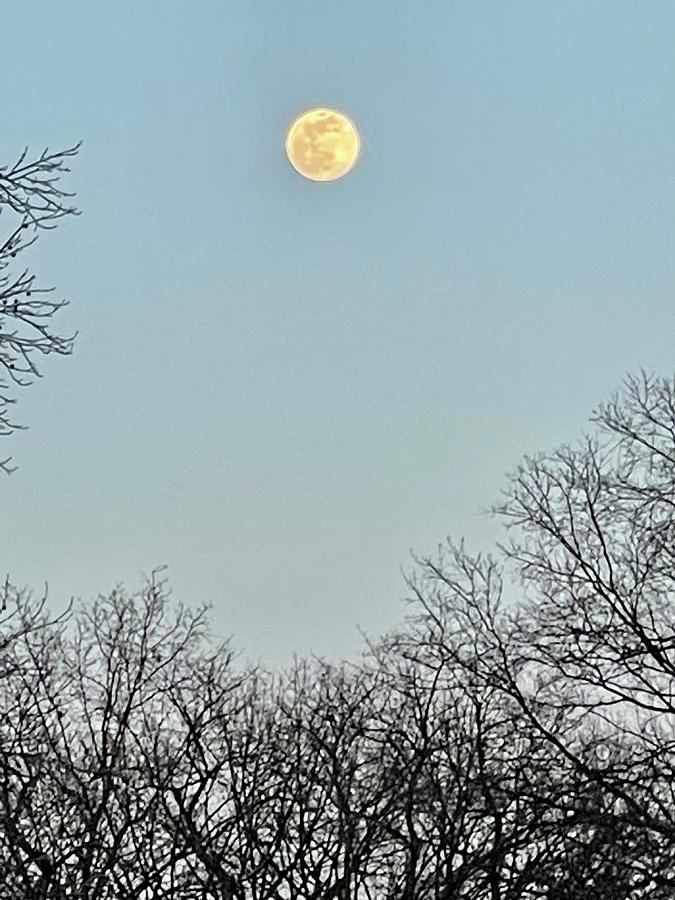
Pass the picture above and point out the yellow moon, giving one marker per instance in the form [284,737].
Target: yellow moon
[323,144]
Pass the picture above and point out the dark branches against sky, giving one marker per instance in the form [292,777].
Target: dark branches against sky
[491,747]
[31,201]
[488,748]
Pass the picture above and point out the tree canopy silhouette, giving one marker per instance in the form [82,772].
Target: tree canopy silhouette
[494,746]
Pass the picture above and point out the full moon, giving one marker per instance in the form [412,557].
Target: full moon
[323,144]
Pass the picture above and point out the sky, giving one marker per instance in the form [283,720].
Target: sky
[280,387]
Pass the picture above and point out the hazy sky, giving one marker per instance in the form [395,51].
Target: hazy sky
[281,387]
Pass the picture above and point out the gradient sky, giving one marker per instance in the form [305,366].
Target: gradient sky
[281,387]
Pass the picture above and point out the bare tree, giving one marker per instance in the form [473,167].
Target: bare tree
[332,802]
[24,737]
[30,196]
[138,762]
[467,773]
[81,813]
[586,652]
[204,753]
[492,747]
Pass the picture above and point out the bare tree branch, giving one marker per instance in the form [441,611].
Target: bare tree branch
[28,189]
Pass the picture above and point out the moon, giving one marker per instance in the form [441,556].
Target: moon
[323,144]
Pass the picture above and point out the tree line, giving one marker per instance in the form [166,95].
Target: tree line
[511,739]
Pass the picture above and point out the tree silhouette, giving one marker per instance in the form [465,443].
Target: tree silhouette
[499,744]
[587,650]
[30,196]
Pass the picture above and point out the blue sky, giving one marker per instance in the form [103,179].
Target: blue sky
[281,387]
